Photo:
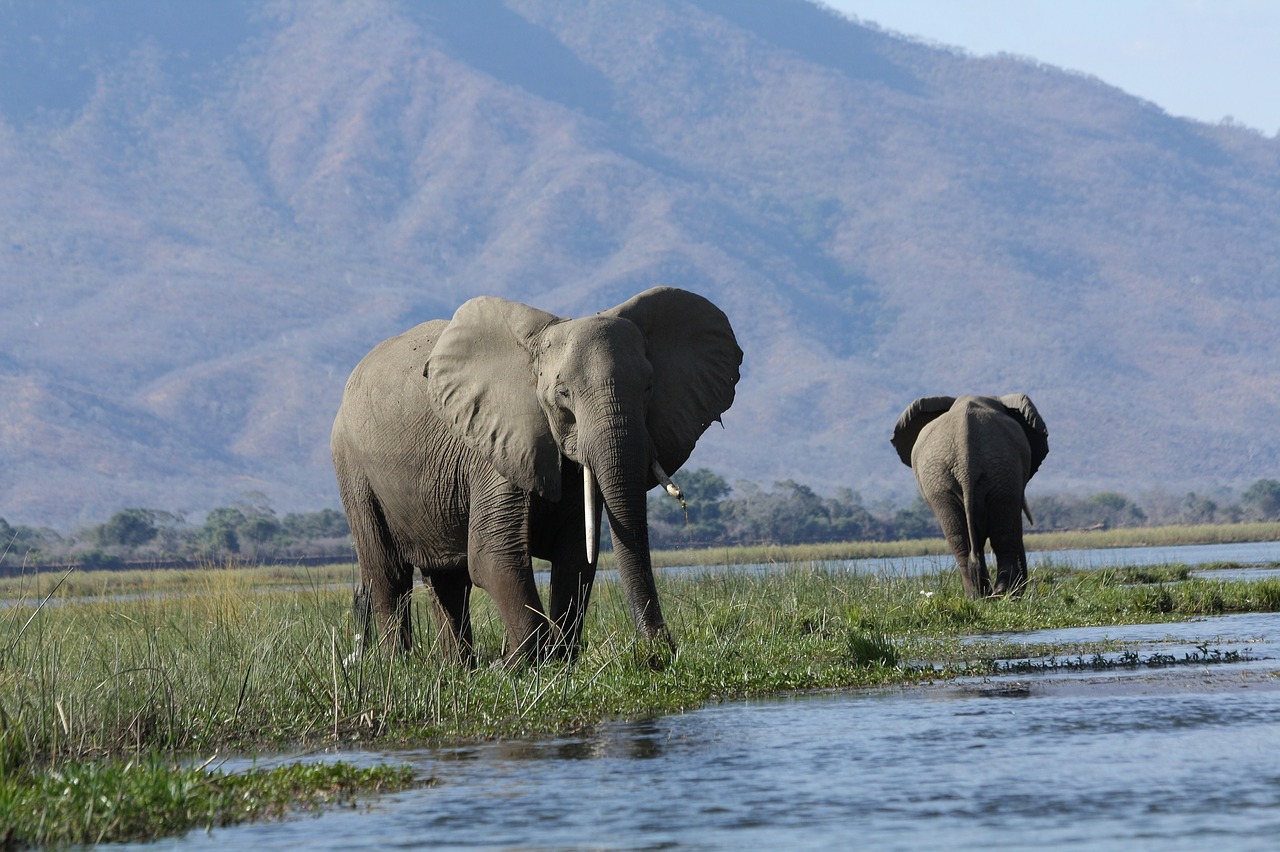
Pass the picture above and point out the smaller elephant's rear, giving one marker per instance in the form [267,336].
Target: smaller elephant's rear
[972,457]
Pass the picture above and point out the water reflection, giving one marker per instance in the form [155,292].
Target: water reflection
[1178,758]
[642,740]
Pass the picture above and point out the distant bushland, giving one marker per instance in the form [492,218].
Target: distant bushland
[714,514]
[791,513]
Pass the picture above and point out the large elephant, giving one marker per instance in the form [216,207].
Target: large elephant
[972,457]
[466,447]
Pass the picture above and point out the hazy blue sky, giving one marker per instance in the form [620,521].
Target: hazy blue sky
[1201,59]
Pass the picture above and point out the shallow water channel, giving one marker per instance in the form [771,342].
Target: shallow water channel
[1177,757]
[1245,554]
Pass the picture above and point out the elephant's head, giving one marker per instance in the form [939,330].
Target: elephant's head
[925,410]
[625,394]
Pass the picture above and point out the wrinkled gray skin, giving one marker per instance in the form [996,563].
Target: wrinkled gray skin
[972,457]
[459,450]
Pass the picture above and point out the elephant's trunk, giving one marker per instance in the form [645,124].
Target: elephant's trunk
[620,462]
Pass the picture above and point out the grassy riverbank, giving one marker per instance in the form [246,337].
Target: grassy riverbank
[140,799]
[230,665]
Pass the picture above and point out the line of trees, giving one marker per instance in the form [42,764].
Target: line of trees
[249,529]
[792,513]
[715,514]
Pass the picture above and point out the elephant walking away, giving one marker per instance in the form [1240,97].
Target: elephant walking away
[466,447]
[972,457]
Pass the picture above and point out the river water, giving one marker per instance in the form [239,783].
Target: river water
[1183,757]
[1246,554]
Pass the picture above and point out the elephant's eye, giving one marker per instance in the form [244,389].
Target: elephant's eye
[562,395]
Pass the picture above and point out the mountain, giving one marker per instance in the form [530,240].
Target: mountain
[210,212]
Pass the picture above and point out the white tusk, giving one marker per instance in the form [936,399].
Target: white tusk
[591,504]
[665,481]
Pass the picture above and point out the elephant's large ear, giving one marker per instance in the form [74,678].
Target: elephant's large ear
[480,378]
[917,415]
[1021,409]
[695,359]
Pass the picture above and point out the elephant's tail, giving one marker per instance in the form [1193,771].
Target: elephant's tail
[1027,510]
[975,524]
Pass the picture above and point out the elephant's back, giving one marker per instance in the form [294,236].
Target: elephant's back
[938,453]
[962,437]
[992,441]
[387,389]
[390,447]
[400,356]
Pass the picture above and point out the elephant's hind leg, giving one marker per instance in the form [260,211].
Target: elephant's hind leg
[451,594]
[388,583]
[386,580]
[1006,541]
[949,509]
[1011,566]
[977,579]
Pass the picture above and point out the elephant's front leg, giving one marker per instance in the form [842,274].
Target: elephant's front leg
[508,578]
[499,562]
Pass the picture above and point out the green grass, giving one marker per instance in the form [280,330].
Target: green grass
[227,664]
[112,801]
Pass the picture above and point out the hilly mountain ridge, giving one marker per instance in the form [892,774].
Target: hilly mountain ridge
[207,219]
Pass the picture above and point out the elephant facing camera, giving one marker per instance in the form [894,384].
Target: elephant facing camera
[465,448]
[972,457]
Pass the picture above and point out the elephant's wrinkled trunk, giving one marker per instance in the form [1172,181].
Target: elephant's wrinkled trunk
[621,462]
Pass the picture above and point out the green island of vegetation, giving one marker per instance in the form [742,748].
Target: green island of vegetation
[118,689]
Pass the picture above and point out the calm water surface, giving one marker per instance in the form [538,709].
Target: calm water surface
[1177,758]
[1249,553]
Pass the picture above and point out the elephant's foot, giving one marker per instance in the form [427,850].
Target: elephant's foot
[1009,589]
[976,587]
[1011,579]
[657,651]
[565,651]
[539,645]
[460,654]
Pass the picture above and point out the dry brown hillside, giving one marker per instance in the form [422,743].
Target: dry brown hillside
[207,217]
